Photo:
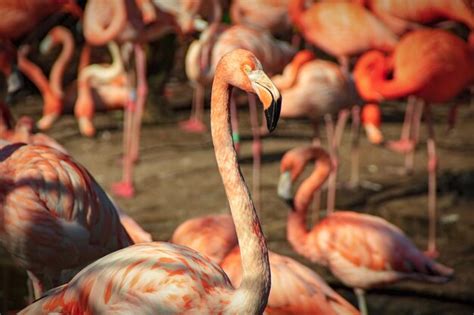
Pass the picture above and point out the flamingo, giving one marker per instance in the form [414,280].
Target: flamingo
[160,277]
[55,217]
[295,289]
[122,22]
[316,88]
[432,65]
[400,15]
[330,26]
[361,250]
[270,15]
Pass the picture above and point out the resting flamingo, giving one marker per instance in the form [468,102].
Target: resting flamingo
[270,15]
[315,88]
[55,218]
[402,15]
[165,278]
[433,65]
[361,250]
[330,26]
[295,289]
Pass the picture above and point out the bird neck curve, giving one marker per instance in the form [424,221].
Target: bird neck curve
[252,295]
[59,66]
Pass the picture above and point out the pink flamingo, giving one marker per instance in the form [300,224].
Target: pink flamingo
[361,250]
[316,88]
[274,55]
[432,65]
[402,15]
[270,15]
[295,289]
[330,26]
[55,218]
[165,278]
[123,22]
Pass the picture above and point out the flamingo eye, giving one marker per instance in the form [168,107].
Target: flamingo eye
[247,68]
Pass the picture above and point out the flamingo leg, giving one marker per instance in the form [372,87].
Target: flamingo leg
[361,301]
[331,194]
[355,153]
[317,194]
[195,123]
[414,135]
[432,167]
[142,92]
[36,284]
[256,150]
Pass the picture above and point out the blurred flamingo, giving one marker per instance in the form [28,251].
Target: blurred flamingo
[121,21]
[166,278]
[269,15]
[362,250]
[402,15]
[295,289]
[331,27]
[433,65]
[55,218]
[314,89]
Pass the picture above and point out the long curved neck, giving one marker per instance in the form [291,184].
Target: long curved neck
[296,9]
[288,78]
[57,71]
[98,31]
[36,75]
[297,232]
[252,294]
[103,73]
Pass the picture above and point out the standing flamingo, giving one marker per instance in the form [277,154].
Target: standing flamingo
[315,89]
[400,15]
[361,250]
[295,289]
[274,55]
[55,218]
[331,27]
[270,15]
[166,278]
[121,21]
[433,65]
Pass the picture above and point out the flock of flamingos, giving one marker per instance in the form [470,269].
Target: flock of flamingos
[83,255]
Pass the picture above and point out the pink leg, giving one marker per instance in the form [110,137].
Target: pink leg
[432,167]
[317,195]
[331,196]
[415,134]
[256,150]
[405,145]
[194,123]
[355,132]
[133,123]
[234,121]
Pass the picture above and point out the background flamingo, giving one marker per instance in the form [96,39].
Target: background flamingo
[295,289]
[362,250]
[433,65]
[172,278]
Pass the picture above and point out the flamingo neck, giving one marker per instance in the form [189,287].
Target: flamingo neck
[296,10]
[297,232]
[57,71]
[288,78]
[36,75]
[252,294]
[85,58]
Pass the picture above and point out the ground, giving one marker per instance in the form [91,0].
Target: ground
[177,179]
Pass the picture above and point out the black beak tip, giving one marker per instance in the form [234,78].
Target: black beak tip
[272,114]
[290,202]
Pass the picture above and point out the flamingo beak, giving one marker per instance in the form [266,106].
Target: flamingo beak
[45,45]
[285,188]
[269,96]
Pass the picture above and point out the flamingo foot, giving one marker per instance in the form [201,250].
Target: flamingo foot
[193,125]
[47,121]
[123,189]
[86,127]
[432,253]
[401,146]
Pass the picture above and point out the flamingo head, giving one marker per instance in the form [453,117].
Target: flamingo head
[248,75]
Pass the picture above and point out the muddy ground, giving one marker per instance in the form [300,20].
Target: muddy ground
[177,179]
